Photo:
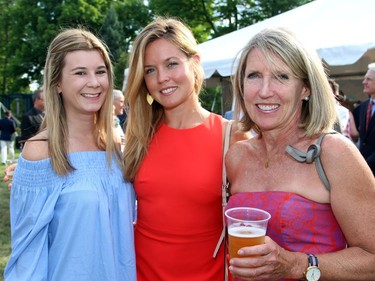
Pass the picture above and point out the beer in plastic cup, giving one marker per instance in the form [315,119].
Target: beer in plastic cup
[246,227]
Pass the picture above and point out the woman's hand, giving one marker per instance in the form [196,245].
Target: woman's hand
[267,262]
[9,171]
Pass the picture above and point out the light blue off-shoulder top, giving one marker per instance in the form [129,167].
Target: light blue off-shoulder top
[76,227]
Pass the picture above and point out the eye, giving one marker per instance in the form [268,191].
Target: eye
[101,72]
[252,75]
[283,76]
[172,64]
[149,70]
[80,73]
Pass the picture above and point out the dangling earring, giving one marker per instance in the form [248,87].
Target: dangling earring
[306,98]
[150,99]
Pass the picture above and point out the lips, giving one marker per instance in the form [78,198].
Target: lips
[267,107]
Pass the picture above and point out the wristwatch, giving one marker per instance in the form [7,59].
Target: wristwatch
[312,272]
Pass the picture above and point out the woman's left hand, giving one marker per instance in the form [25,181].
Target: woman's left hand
[263,262]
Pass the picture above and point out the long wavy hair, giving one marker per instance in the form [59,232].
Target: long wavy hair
[55,121]
[319,113]
[143,119]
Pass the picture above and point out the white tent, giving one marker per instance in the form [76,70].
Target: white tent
[341,31]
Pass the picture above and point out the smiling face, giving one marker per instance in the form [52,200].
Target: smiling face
[273,96]
[84,82]
[168,74]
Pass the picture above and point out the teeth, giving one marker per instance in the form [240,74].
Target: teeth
[90,95]
[167,91]
[268,107]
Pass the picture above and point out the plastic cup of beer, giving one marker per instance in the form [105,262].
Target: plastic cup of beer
[246,227]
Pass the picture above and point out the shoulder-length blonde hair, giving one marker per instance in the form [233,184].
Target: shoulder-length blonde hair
[318,113]
[143,119]
[55,121]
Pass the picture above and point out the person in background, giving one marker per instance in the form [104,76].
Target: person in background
[321,201]
[120,107]
[31,121]
[173,156]
[71,210]
[354,134]
[118,102]
[118,110]
[366,120]
[342,125]
[7,131]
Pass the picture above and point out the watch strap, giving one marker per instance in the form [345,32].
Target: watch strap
[313,260]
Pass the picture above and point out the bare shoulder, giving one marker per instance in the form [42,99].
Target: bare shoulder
[343,163]
[338,146]
[36,148]
[239,149]
[237,159]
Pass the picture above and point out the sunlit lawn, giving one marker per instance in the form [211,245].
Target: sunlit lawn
[4,223]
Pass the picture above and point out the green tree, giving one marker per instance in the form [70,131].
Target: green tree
[31,27]
[4,38]
[123,21]
[196,14]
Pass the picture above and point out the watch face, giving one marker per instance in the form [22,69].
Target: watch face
[313,273]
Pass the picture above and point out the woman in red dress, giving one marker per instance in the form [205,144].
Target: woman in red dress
[173,155]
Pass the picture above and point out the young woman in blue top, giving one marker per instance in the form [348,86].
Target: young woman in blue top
[71,210]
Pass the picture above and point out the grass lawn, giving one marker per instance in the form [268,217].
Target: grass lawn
[4,222]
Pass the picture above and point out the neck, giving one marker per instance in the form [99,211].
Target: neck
[274,144]
[185,116]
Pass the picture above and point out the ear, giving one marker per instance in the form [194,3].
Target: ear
[197,58]
[58,88]
[305,93]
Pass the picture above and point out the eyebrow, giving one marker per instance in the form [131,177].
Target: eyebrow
[166,60]
[84,68]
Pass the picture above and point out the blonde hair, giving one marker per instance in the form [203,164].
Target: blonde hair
[143,119]
[318,114]
[55,121]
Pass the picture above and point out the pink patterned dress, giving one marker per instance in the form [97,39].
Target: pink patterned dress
[297,224]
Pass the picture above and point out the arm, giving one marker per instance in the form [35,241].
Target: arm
[353,128]
[352,200]
[32,202]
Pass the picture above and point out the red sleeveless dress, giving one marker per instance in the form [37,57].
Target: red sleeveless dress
[297,224]
[178,190]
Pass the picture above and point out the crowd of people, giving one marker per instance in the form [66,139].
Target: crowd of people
[84,208]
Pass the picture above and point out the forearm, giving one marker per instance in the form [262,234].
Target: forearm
[349,264]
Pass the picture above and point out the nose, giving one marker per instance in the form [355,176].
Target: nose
[162,76]
[93,81]
[265,88]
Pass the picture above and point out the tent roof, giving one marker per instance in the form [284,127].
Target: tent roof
[340,30]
